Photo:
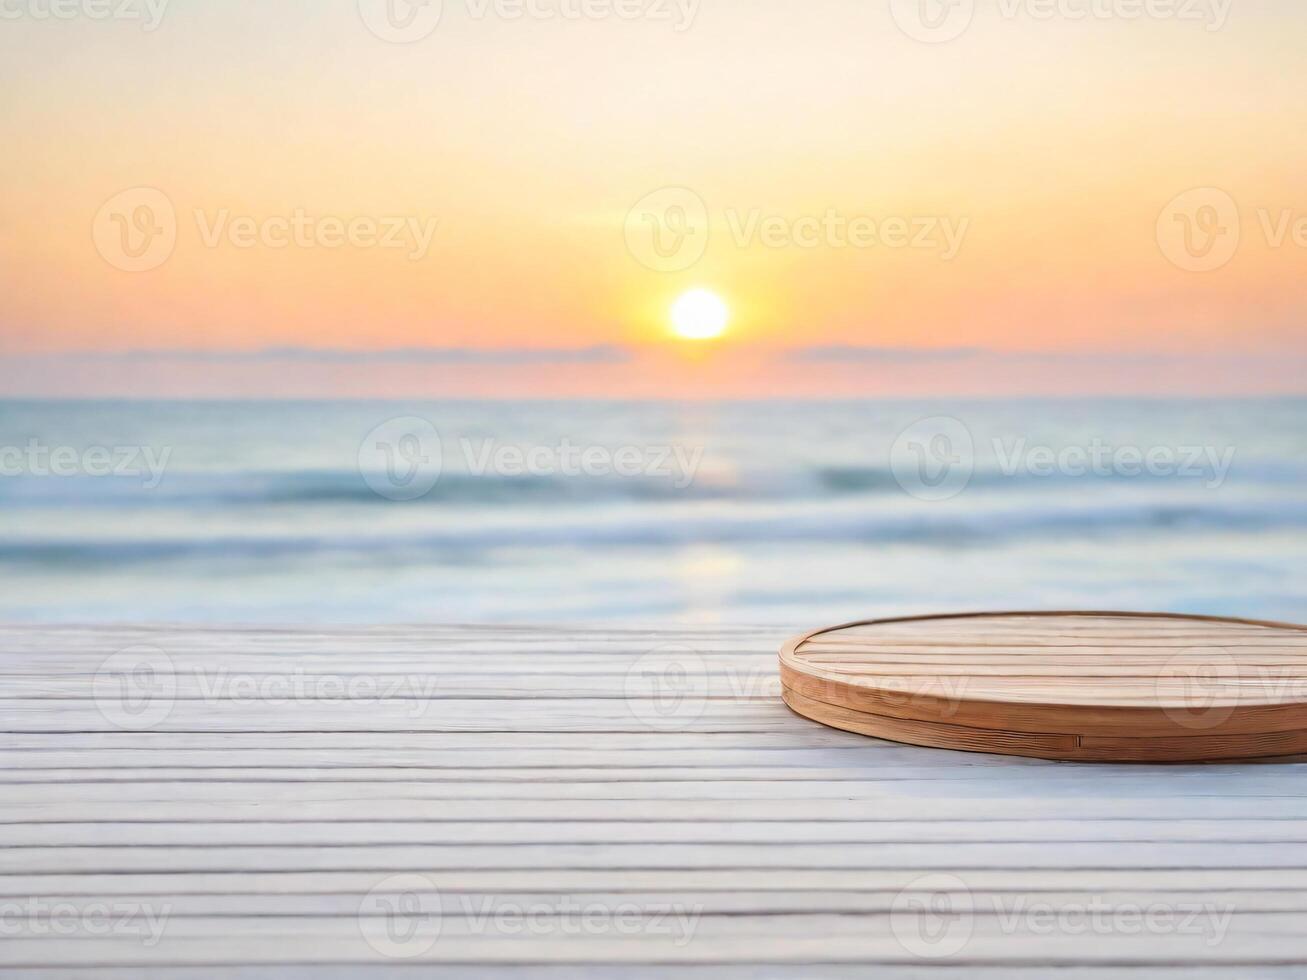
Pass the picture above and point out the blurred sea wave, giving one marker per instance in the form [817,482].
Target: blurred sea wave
[785,512]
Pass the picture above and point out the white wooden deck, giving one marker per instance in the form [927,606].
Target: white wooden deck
[560,803]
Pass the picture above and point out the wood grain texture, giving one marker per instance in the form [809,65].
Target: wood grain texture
[1127,687]
[311,800]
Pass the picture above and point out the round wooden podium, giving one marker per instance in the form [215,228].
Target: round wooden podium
[1093,686]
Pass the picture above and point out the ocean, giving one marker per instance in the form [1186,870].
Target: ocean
[771,512]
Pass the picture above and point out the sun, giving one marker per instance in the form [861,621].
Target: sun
[700,314]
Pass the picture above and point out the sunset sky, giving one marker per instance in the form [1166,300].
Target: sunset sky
[1038,167]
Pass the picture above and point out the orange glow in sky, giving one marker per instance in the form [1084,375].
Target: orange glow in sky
[252,199]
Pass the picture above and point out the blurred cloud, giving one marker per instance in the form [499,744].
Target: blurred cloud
[852,353]
[602,354]
[884,355]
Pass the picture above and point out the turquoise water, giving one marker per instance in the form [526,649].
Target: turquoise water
[759,512]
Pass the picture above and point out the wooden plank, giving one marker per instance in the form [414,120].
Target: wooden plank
[328,687]
[443,772]
[533,776]
[390,858]
[460,775]
[1217,883]
[920,809]
[687,971]
[749,714]
[303,833]
[465,902]
[653,756]
[800,736]
[953,784]
[1048,745]
[725,941]
[175,913]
